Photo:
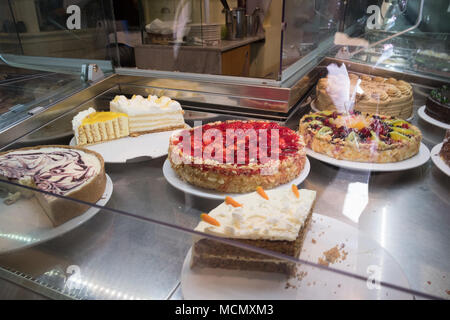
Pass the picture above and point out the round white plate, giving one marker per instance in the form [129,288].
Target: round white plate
[416,161]
[438,161]
[365,257]
[179,184]
[430,120]
[132,149]
[313,108]
[25,224]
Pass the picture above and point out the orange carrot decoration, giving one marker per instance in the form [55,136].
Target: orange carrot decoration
[234,203]
[295,191]
[207,218]
[262,193]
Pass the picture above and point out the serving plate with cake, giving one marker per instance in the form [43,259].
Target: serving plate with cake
[134,129]
[280,222]
[234,157]
[436,111]
[440,154]
[30,217]
[385,96]
[363,141]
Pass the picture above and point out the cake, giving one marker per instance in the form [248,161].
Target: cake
[91,127]
[149,115]
[275,220]
[438,104]
[362,137]
[237,156]
[386,96]
[445,150]
[61,170]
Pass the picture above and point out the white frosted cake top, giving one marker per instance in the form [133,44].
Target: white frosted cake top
[139,105]
[279,218]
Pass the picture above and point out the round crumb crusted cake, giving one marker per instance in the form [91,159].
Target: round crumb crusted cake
[237,156]
[361,137]
[387,96]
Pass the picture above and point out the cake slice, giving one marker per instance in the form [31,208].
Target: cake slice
[275,220]
[90,126]
[444,153]
[61,170]
[149,115]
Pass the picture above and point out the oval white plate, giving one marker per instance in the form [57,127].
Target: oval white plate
[416,161]
[430,120]
[179,184]
[437,160]
[365,257]
[133,149]
[24,224]
[313,108]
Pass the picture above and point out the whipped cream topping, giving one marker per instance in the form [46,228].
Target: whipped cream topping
[138,105]
[56,170]
[78,120]
[279,218]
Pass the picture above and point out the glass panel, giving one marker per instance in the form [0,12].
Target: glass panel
[199,36]
[105,253]
[45,50]
[63,29]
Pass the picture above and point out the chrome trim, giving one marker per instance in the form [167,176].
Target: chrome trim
[52,64]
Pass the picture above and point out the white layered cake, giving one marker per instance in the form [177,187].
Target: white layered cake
[276,221]
[151,114]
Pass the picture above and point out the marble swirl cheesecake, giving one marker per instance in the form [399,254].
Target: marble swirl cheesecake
[361,137]
[61,170]
[237,156]
[275,220]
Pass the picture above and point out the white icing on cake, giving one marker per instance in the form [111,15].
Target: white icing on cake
[138,105]
[279,218]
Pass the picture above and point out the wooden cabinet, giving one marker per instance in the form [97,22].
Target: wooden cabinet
[236,62]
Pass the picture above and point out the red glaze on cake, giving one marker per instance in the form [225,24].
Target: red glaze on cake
[237,156]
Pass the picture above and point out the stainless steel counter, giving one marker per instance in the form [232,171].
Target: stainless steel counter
[118,256]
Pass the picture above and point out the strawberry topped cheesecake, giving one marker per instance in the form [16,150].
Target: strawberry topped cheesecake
[237,156]
[361,137]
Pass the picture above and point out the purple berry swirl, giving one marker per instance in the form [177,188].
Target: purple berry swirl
[58,171]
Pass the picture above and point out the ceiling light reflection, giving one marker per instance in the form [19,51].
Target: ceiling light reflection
[356,200]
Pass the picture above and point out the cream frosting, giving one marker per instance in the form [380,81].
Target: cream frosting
[279,218]
[139,105]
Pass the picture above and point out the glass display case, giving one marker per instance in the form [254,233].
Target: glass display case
[351,207]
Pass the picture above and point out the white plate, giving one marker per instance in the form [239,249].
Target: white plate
[437,160]
[313,108]
[430,120]
[365,257]
[132,149]
[179,184]
[25,224]
[413,162]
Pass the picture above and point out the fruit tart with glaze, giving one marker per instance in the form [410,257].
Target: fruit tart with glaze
[361,137]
